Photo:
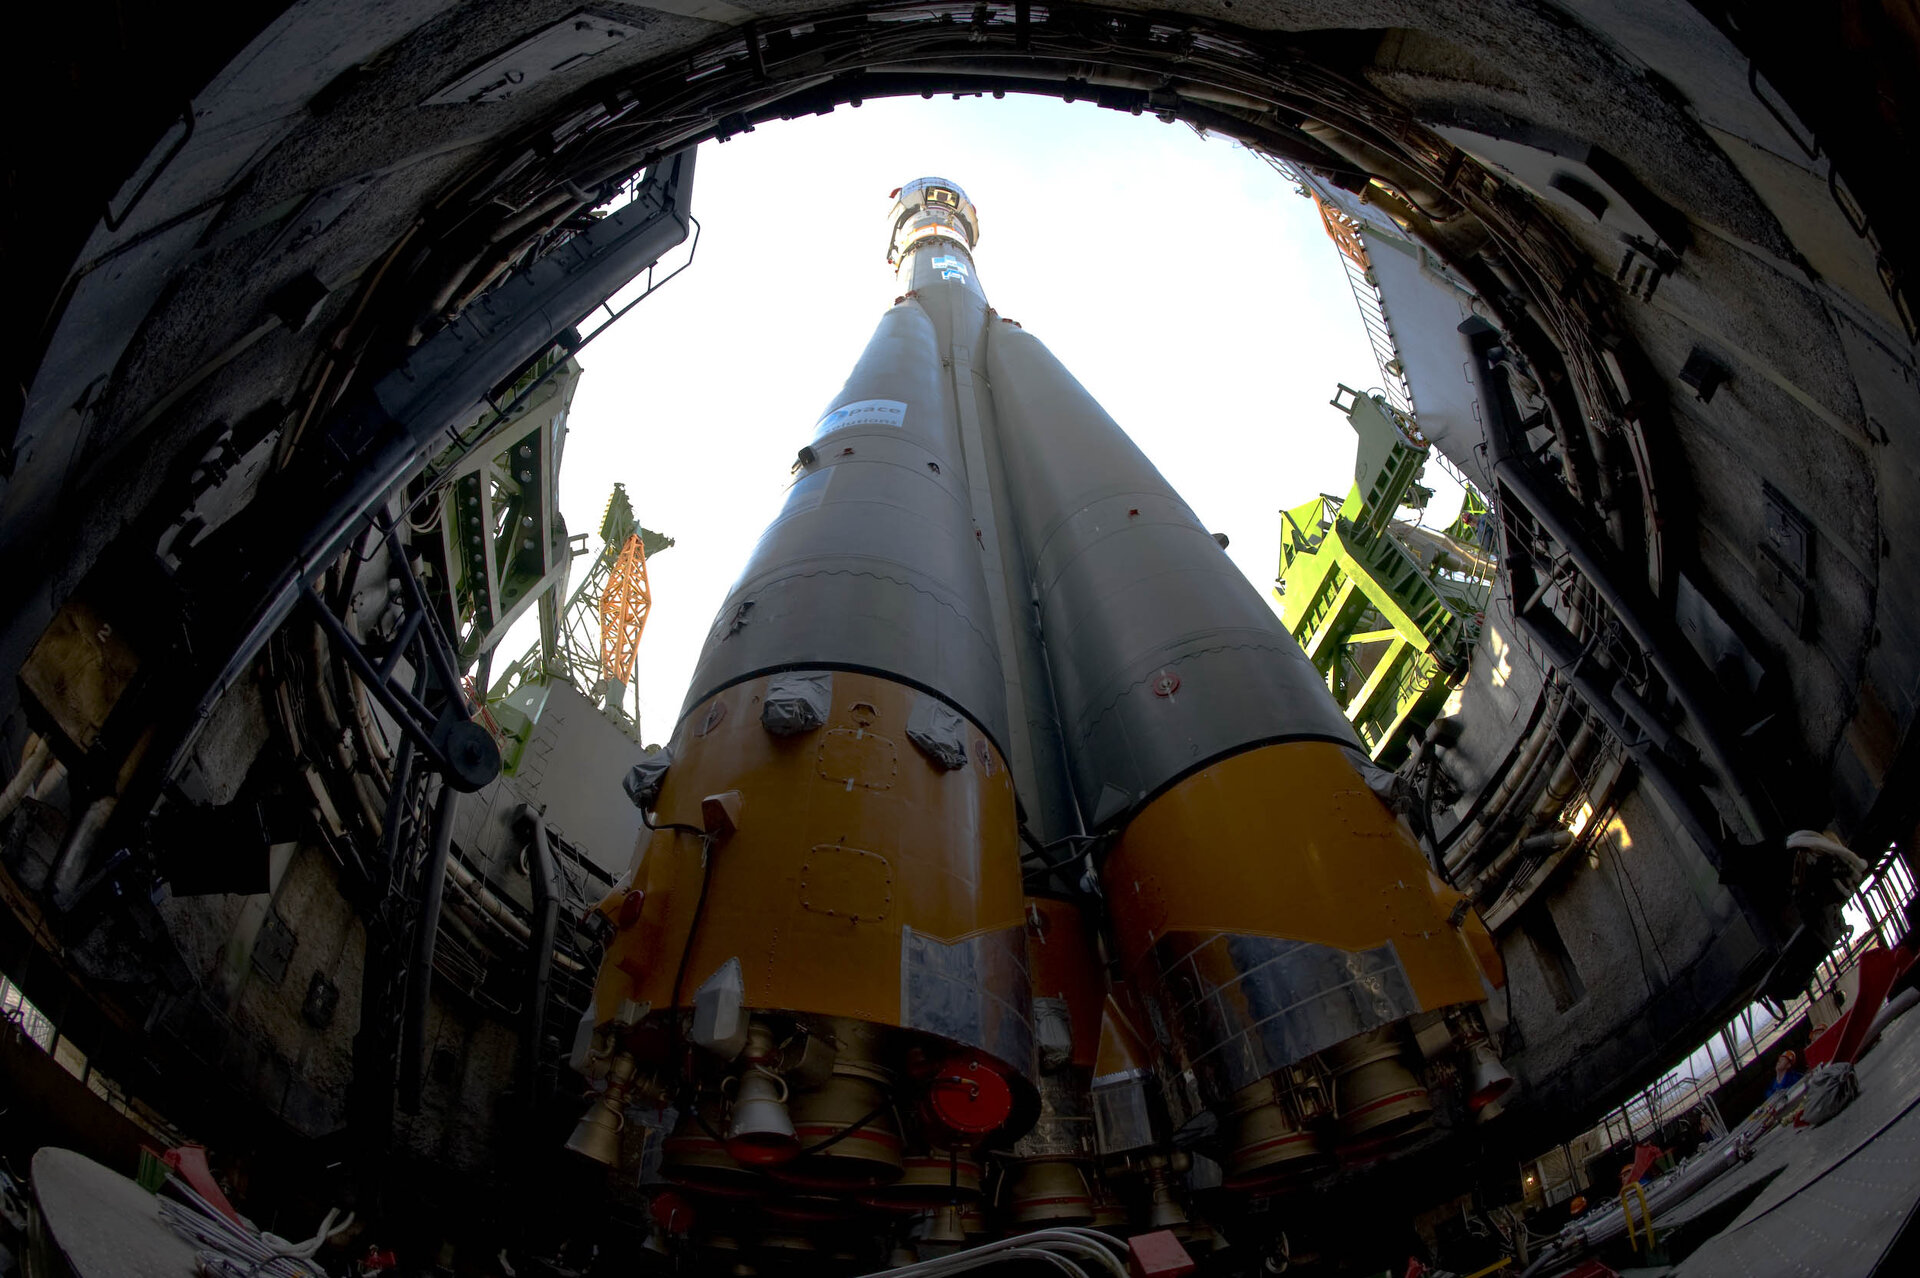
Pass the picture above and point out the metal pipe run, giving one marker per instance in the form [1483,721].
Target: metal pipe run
[1518,775]
[433,888]
[496,911]
[33,764]
[1677,665]
[546,918]
[75,858]
[1070,1248]
[1695,816]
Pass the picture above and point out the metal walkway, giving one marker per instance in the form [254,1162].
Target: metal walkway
[1843,1191]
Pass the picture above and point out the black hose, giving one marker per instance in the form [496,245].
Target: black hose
[1438,862]
[546,921]
[413,1041]
[686,950]
[830,1141]
[675,826]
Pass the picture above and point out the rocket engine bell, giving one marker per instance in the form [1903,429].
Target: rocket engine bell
[982,617]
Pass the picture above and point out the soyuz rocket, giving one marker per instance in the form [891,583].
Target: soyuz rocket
[981,621]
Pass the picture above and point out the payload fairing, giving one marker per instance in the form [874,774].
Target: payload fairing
[983,618]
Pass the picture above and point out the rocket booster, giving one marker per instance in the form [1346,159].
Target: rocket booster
[981,614]
[1259,895]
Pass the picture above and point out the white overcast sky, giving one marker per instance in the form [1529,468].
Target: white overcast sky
[1181,280]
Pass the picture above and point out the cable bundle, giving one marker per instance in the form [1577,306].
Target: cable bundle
[225,1249]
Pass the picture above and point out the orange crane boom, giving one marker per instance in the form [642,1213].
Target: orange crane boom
[623,612]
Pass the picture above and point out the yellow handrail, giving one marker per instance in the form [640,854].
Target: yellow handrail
[1646,1214]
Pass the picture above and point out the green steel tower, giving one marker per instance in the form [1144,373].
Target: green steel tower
[1386,609]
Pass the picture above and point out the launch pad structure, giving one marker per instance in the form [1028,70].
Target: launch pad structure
[1014,890]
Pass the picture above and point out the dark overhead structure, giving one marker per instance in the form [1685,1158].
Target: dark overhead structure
[288,278]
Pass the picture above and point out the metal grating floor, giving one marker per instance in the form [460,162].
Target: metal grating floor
[1843,1190]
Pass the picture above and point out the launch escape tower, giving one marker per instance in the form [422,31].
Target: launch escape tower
[1010,864]
[1387,610]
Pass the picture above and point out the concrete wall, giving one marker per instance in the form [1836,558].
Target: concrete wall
[245,1020]
[572,768]
[1658,948]
[1654,944]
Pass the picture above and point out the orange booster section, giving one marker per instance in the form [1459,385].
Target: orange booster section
[819,962]
[1285,933]
[862,879]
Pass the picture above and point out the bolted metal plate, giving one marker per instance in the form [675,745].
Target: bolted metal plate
[954,991]
[848,883]
[856,757]
[273,948]
[1784,593]
[1789,535]
[546,54]
[323,996]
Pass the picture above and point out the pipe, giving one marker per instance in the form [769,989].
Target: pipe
[546,918]
[50,780]
[1425,750]
[1681,670]
[1085,1244]
[1518,773]
[433,888]
[1566,778]
[366,793]
[461,921]
[1662,736]
[1526,791]
[1429,201]
[36,760]
[1520,889]
[399,794]
[493,906]
[1604,1224]
[1552,798]
[370,738]
[70,865]
[496,911]
[320,695]
[1541,703]
[487,272]
[524,216]
[1680,795]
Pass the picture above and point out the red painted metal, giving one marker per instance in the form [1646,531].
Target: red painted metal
[968,1096]
[191,1162]
[1842,1040]
[1158,1255]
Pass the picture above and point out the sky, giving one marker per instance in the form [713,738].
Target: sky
[1180,278]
